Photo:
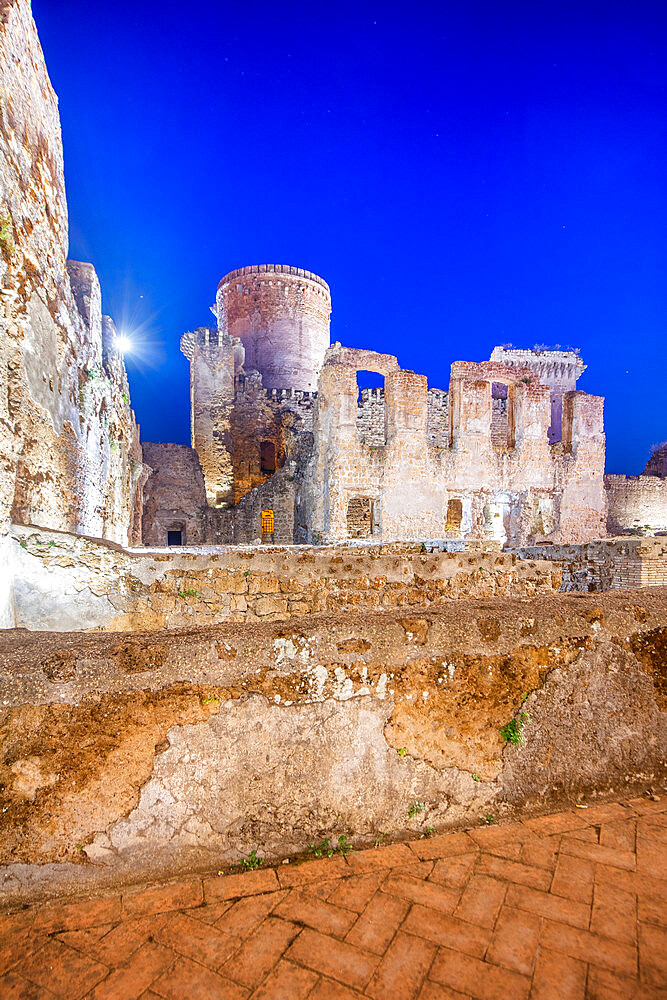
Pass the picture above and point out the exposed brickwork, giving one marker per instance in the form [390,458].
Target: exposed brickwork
[608,564]
[397,941]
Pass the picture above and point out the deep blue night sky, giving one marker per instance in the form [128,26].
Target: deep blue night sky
[462,174]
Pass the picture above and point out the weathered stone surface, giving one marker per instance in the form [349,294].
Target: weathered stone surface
[69,443]
[152,754]
[64,582]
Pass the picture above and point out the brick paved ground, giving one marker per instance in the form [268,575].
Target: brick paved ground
[564,906]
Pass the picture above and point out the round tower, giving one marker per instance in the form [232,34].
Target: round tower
[281,315]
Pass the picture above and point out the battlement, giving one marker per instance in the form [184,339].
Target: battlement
[561,366]
[205,337]
[283,269]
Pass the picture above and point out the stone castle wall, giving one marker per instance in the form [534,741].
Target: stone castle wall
[494,476]
[636,504]
[69,444]
[66,582]
[174,495]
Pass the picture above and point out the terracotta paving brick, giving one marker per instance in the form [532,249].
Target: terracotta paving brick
[621,835]
[327,989]
[336,959]
[556,907]
[129,981]
[421,892]
[653,954]
[649,911]
[515,940]
[589,947]
[558,977]
[209,913]
[14,987]
[446,846]
[392,856]
[541,852]
[286,982]
[189,981]
[247,914]
[158,899]
[378,923]
[260,952]
[544,904]
[642,884]
[573,878]
[614,914]
[513,871]
[453,873]
[118,944]
[355,893]
[508,833]
[312,871]
[301,908]
[245,884]
[481,901]
[15,948]
[65,972]
[607,812]
[403,969]
[74,916]
[557,822]
[479,979]
[418,869]
[605,985]
[600,854]
[198,941]
[434,991]
[443,929]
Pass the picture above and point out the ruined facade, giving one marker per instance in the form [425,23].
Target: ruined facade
[69,445]
[292,451]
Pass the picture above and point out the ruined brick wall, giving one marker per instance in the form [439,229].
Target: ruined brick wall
[557,369]
[437,424]
[281,315]
[277,417]
[636,504]
[69,444]
[370,417]
[609,564]
[174,495]
[493,463]
[65,582]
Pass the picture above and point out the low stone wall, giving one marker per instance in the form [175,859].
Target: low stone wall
[124,757]
[635,503]
[64,582]
[610,564]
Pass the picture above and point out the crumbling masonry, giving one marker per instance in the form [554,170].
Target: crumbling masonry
[513,452]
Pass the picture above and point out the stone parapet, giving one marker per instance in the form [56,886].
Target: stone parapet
[65,582]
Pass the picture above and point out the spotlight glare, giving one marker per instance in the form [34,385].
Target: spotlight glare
[123,344]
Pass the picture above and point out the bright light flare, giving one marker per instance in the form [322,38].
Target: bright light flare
[123,344]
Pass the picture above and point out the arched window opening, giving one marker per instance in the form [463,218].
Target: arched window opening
[267,457]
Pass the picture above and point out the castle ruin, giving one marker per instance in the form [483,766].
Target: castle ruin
[292,451]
